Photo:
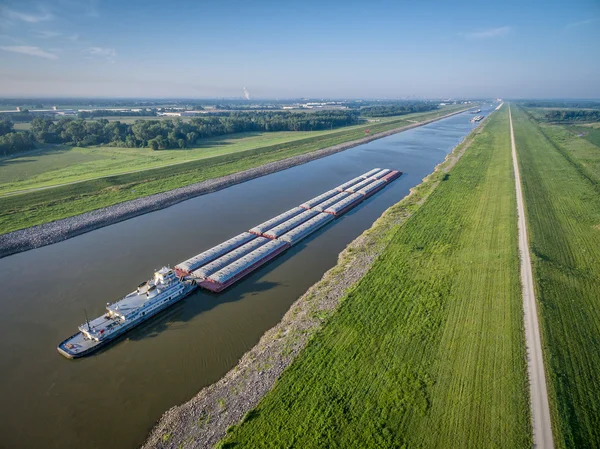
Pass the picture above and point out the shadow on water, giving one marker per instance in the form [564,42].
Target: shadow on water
[202,301]
[198,302]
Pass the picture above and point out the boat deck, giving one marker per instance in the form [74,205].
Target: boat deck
[78,345]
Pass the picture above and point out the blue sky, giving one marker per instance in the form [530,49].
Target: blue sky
[342,49]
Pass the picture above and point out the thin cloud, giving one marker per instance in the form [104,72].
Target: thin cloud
[109,53]
[489,33]
[580,23]
[47,34]
[13,39]
[11,14]
[28,50]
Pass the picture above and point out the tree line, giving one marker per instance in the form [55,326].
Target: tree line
[397,109]
[572,115]
[587,104]
[167,133]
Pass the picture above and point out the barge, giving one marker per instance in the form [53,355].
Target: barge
[193,263]
[331,201]
[221,266]
[307,228]
[341,207]
[242,267]
[264,227]
[284,227]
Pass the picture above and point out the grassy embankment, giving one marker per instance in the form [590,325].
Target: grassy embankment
[60,164]
[589,132]
[427,350]
[57,165]
[41,206]
[561,177]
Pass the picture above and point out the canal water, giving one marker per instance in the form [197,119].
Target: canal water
[112,399]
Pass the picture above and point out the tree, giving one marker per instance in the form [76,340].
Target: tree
[153,143]
[15,142]
[6,126]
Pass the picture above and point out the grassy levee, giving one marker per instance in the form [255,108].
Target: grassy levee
[563,214]
[427,350]
[588,132]
[42,206]
[580,153]
[53,165]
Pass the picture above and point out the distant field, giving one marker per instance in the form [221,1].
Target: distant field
[22,126]
[62,164]
[427,350]
[589,132]
[22,210]
[561,183]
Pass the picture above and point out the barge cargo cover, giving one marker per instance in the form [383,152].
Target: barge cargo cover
[331,201]
[211,254]
[360,185]
[344,186]
[370,173]
[319,199]
[381,173]
[305,229]
[205,271]
[244,266]
[264,227]
[284,227]
[345,205]
[370,189]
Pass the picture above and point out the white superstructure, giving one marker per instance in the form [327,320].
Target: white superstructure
[149,297]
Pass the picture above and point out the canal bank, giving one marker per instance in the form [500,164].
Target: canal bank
[204,420]
[115,397]
[59,230]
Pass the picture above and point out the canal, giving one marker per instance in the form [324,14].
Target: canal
[112,399]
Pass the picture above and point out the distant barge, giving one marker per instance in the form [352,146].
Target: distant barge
[221,266]
[477,118]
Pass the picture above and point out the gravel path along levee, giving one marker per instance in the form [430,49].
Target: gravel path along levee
[538,391]
[56,231]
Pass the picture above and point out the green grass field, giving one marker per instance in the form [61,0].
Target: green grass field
[589,132]
[55,165]
[562,198]
[427,350]
[63,164]
[40,206]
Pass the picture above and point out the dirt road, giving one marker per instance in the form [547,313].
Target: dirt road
[540,410]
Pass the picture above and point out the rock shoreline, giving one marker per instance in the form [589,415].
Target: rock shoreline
[56,231]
